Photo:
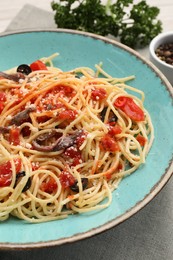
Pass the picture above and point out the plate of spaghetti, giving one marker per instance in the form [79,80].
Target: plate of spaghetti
[84,122]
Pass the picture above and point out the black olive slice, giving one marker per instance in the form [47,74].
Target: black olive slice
[28,185]
[75,186]
[20,175]
[103,113]
[24,69]
[112,118]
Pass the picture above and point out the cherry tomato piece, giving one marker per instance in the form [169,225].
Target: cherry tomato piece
[74,154]
[141,139]
[3,96]
[130,108]
[38,65]
[14,137]
[114,130]
[2,105]
[66,179]
[6,172]
[80,139]
[98,94]
[49,186]
[67,114]
[108,143]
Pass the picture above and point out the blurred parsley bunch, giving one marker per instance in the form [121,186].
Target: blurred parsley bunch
[134,24]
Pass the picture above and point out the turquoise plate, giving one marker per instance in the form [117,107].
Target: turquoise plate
[84,49]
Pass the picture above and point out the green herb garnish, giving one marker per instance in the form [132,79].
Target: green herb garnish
[134,24]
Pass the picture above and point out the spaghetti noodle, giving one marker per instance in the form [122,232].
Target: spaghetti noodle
[67,140]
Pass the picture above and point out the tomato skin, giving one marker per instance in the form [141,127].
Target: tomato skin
[42,119]
[130,108]
[38,65]
[18,164]
[74,154]
[2,105]
[67,114]
[26,131]
[6,167]
[49,186]
[14,137]
[64,90]
[108,176]
[120,167]
[98,94]
[114,130]
[3,96]
[16,102]
[3,99]
[120,101]
[35,166]
[141,139]
[108,143]
[6,172]
[17,92]
[76,161]
[5,180]
[80,139]
[66,179]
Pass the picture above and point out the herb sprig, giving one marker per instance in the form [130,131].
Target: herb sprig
[134,24]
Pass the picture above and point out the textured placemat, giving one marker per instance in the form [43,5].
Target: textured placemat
[31,17]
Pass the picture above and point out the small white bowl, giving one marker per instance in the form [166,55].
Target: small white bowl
[164,67]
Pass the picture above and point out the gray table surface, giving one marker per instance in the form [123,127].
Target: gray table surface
[148,235]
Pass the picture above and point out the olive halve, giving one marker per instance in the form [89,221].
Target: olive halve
[103,113]
[112,117]
[27,185]
[75,186]
[24,69]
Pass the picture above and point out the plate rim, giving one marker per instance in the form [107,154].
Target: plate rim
[140,204]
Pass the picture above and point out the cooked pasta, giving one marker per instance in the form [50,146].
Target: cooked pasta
[67,139]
